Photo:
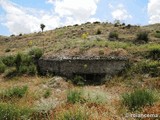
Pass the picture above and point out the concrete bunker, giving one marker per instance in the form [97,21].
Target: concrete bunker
[93,69]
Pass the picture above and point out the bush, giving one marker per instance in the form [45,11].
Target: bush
[129,26]
[9,60]
[98,32]
[2,67]
[15,92]
[78,80]
[157,35]
[36,53]
[146,67]
[10,72]
[154,53]
[32,70]
[138,99]
[142,36]
[74,96]
[74,115]
[23,69]
[113,35]
[18,61]
[11,112]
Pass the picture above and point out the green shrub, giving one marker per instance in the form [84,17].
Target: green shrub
[15,92]
[95,96]
[2,67]
[11,112]
[142,36]
[36,53]
[26,59]
[129,26]
[138,99]
[78,80]
[32,70]
[23,69]
[98,32]
[74,115]
[10,72]
[47,93]
[18,61]
[74,96]
[154,53]
[9,60]
[157,35]
[113,35]
[145,67]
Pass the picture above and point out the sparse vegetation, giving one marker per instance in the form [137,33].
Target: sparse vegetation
[113,35]
[77,114]
[142,36]
[9,60]
[146,67]
[11,112]
[138,99]
[2,67]
[98,32]
[36,53]
[14,92]
[74,96]
[57,98]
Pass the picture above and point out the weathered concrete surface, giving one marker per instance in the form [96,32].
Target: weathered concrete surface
[78,65]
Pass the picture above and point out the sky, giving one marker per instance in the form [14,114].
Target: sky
[25,16]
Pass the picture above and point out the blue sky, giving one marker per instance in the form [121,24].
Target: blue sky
[25,16]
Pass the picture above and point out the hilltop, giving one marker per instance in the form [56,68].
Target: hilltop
[88,39]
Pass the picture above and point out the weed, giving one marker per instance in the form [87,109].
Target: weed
[77,114]
[15,92]
[11,112]
[42,109]
[74,96]
[138,99]
[97,97]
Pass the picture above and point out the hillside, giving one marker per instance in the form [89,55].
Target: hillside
[26,94]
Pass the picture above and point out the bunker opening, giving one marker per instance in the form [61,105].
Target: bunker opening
[90,78]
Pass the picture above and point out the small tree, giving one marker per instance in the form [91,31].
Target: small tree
[42,27]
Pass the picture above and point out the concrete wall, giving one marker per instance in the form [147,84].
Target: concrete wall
[69,66]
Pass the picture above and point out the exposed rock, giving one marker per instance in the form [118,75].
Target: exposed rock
[58,83]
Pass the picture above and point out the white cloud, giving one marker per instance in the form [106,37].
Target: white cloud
[119,12]
[26,20]
[154,11]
